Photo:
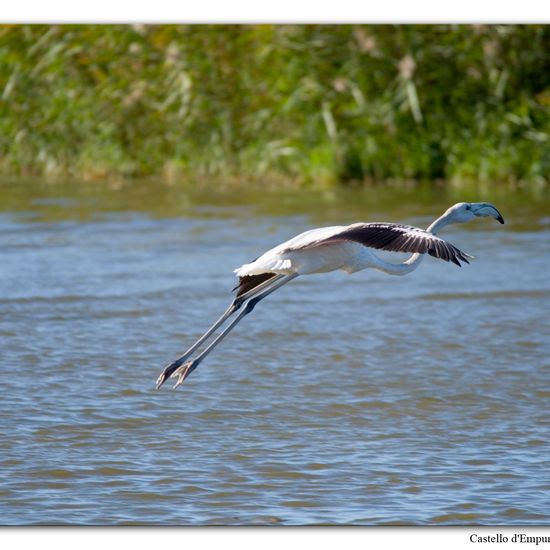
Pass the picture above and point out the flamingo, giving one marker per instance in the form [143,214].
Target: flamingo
[349,248]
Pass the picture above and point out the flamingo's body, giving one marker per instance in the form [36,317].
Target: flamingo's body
[349,248]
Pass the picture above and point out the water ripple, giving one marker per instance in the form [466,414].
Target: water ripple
[342,400]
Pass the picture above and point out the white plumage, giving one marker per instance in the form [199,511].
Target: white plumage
[349,248]
[293,256]
[329,249]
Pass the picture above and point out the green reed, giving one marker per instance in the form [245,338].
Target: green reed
[291,104]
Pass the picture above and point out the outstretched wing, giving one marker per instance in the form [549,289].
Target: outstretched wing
[395,238]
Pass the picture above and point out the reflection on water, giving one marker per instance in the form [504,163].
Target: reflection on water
[362,399]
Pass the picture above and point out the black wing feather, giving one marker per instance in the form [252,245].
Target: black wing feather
[398,238]
[248,282]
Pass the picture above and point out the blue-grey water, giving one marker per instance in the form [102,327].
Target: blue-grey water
[362,399]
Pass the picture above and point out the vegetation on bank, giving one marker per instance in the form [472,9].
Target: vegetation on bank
[300,103]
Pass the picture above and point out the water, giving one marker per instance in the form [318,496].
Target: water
[362,399]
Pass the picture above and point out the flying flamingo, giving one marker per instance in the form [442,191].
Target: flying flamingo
[349,248]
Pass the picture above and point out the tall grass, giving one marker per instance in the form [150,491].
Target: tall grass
[295,103]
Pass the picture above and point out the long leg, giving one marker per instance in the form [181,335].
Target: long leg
[186,369]
[233,307]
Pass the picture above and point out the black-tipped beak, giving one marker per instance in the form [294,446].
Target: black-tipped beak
[499,217]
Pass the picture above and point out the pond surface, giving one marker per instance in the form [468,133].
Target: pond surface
[362,399]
